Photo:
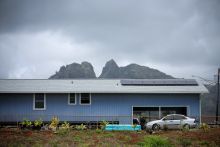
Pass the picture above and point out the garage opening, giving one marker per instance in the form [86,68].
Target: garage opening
[154,113]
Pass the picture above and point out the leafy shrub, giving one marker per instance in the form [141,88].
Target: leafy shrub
[26,123]
[80,127]
[104,124]
[204,127]
[155,141]
[65,126]
[38,123]
[185,142]
[64,129]
[54,123]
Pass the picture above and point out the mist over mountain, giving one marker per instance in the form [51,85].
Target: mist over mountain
[110,71]
[209,101]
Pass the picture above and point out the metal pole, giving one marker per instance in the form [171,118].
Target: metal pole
[217,97]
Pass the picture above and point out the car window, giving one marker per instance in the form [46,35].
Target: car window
[170,117]
[179,117]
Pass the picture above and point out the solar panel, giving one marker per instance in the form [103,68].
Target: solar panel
[158,82]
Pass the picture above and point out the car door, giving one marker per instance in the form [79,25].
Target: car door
[168,122]
[178,121]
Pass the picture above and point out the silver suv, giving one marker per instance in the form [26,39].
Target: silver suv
[172,121]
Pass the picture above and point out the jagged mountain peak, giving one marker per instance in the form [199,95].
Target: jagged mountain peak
[131,71]
[110,70]
[75,70]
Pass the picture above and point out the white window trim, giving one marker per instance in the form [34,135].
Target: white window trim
[90,100]
[34,103]
[69,99]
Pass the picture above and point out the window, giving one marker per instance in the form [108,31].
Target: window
[170,117]
[179,117]
[72,99]
[85,99]
[173,110]
[39,102]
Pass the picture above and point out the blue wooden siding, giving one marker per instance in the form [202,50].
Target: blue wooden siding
[115,107]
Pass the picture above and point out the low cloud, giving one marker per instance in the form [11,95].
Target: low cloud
[181,38]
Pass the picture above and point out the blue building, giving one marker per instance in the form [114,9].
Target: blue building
[98,99]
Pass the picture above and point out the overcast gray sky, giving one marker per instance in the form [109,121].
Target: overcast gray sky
[178,37]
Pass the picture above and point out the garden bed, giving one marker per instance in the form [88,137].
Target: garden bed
[18,137]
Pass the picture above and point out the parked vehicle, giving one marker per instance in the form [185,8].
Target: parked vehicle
[172,121]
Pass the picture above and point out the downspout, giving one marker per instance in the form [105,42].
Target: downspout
[200,109]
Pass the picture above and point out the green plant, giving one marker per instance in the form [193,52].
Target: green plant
[26,123]
[185,142]
[64,129]
[80,127]
[104,124]
[155,141]
[77,139]
[204,127]
[204,143]
[134,126]
[38,123]
[54,123]
[65,126]
[98,131]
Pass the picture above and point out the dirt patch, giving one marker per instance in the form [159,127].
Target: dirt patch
[17,137]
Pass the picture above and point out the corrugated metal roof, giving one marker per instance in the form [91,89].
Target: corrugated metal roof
[90,86]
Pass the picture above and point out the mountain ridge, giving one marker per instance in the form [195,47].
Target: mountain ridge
[111,70]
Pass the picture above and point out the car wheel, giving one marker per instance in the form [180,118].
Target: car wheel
[155,127]
[186,126]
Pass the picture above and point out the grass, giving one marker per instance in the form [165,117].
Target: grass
[17,137]
[155,141]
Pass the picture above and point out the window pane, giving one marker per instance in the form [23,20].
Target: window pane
[39,100]
[39,97]
[148,113]
[178,117]
[39,105]
[173,110]
[84,95]
[169,117]
[72,98]
[85,98]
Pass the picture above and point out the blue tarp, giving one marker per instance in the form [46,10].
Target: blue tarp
[122,127]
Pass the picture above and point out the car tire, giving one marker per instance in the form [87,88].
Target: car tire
[155,127]
[186,126]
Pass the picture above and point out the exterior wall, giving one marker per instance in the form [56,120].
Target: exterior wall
[111,107]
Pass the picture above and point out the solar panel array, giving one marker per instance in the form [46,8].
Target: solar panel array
[159,82]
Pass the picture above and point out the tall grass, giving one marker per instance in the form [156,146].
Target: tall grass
[155,141]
